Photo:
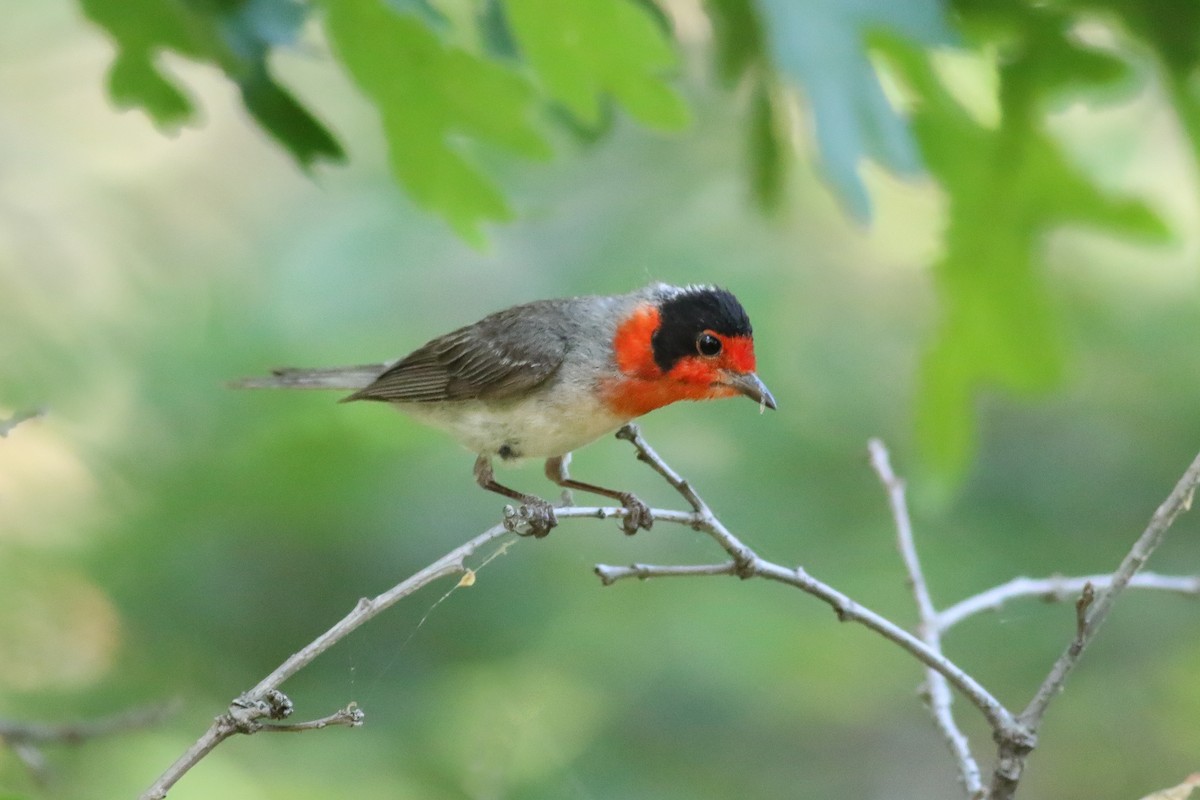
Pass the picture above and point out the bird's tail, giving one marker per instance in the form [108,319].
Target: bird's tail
[345,378]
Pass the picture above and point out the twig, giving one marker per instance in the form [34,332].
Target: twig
[349,717]
[78,731]
[1016,735]
[609,574]
[1057,588]
[937,690]
[647,455]
[847,610]
[746,563]
[26,739]
[265,701]
[16,419]
[1012,753]
[34,761]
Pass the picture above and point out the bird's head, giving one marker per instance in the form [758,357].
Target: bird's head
[690,343]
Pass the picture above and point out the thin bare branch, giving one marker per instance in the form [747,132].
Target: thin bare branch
[897,502]
[1058,589]
[349,717]
[34,761]
[1179,500]
[26,739]
[936,689]
[265,701]
[249,712]
[1013,753]
[610,574]
[746,563]
[645,453]
[81,730]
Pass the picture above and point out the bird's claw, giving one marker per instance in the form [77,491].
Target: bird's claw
[637,515]
[534,518]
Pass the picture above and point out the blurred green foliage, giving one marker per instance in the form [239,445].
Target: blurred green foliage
[426,68]
[161,536]
[236,37]
[426,94]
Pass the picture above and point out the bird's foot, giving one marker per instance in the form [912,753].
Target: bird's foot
[637,514]
[534,518]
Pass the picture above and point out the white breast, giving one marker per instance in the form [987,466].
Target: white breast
[540,426]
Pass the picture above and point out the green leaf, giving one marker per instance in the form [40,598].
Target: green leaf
[287,121]
[434,99]
[737,37]
[1172,32]
[495,33]
[235,36]
[1008,187]
[251,28]
[424,10]
[821,45]
[1171,27]
[141,28]
[584,49]
[769,148]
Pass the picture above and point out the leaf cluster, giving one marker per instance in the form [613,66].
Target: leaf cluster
[455,81]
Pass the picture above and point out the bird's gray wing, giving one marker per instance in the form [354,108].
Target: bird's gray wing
[503,355]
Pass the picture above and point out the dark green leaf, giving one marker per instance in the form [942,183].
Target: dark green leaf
[493,28]
[1171,31]
[737,37]
[769,149]
[288,121]
[235,36]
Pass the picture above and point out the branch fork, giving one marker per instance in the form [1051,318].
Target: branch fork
[1015,734]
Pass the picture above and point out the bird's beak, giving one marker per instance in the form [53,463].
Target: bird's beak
[747,383]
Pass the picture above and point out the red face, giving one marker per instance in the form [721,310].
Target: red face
[719,365]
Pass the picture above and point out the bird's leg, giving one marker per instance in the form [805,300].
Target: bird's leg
[534,510]
[638,513]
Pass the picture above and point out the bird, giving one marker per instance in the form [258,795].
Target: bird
[542,379]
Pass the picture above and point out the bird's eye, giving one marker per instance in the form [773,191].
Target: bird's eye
[708,345]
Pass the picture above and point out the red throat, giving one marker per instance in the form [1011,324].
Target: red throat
[632,343]
[642,386]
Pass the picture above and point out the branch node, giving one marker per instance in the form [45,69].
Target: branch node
[745,565]
[605,574]
[245,712]
[511,520]
[1086,598]
[1017,739]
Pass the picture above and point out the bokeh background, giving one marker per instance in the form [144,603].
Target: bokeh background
[162,536]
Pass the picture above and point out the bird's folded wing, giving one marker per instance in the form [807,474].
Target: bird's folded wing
[502,356]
